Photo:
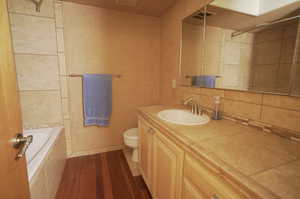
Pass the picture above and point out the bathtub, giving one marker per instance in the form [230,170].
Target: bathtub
[45,161]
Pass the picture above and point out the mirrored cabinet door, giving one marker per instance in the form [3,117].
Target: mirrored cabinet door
[226,49]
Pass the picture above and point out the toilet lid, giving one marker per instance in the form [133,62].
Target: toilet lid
[131,133]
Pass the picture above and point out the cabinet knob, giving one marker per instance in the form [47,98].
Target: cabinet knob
[214,197]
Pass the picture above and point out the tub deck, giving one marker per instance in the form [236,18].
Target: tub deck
[101,176]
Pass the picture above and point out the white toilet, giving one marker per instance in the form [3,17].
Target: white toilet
[131,140]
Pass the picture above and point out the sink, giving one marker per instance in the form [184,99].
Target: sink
[183,117]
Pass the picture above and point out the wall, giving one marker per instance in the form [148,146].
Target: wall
[276,110]
[230,58]
[273,57]
[105,41]
[37,46]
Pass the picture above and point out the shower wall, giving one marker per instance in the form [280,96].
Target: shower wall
[105,41]
[39,54]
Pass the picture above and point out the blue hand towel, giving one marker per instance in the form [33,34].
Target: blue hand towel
[97,99]
[206,81]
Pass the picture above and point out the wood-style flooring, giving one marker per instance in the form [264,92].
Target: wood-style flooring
[101,176]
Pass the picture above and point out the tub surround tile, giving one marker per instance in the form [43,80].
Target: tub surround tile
[60,40]
[29,8]
[41,108]
[38,188]
[55,165]
[37,72]
[65,107]
[62,64]
[58,15]
[33,35]
[64,87]
[45,182]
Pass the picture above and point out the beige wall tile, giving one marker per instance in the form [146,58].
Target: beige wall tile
[59,15]
[62,64]
[67,125]
[255,98]
[41,109]
[64,87]
[281,117]
[33,34]
[243,109]
[60,40]
[37,72]
[285,102]
[55,165]
[65,107]
[27,7]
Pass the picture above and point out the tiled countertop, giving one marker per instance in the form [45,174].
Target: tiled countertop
[266,163]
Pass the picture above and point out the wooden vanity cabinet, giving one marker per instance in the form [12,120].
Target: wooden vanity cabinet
[172,173]
[167,168]
[145,151]
[160,163]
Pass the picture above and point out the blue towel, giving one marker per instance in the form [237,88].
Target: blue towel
[206,81]
[97,99]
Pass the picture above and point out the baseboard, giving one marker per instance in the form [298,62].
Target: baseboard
[95,151]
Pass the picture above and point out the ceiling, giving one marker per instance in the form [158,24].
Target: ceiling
[143,7]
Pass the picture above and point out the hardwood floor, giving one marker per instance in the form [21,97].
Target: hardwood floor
[101,176]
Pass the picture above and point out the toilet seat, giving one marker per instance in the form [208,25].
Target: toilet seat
[131,134]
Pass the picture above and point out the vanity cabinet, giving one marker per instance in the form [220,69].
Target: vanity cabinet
[167,168]
[160,163]
[171,172]
[145,151]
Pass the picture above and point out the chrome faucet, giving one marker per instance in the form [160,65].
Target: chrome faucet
[194,105]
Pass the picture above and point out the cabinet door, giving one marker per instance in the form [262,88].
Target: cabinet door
[167,168]
[190,191]
[145,151]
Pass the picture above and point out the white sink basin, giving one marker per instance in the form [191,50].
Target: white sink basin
[183,117]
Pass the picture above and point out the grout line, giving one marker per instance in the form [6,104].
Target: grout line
[275,167]
[31,15]
[29,91]
[16,53]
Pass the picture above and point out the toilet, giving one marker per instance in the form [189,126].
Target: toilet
[131,140]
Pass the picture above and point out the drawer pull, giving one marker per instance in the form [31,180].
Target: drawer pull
[214,197]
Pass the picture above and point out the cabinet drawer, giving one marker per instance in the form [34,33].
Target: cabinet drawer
[211,184]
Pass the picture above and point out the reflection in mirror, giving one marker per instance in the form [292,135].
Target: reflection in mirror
[264,59]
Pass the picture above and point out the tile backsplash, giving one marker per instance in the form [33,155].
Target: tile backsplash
[277,113]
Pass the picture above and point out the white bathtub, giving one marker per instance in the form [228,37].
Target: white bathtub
[43,140]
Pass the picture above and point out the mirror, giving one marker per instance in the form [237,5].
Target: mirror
[230,50]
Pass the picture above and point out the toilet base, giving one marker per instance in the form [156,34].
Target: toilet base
[135,156]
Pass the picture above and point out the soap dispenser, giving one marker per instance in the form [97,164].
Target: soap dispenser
[216,113]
